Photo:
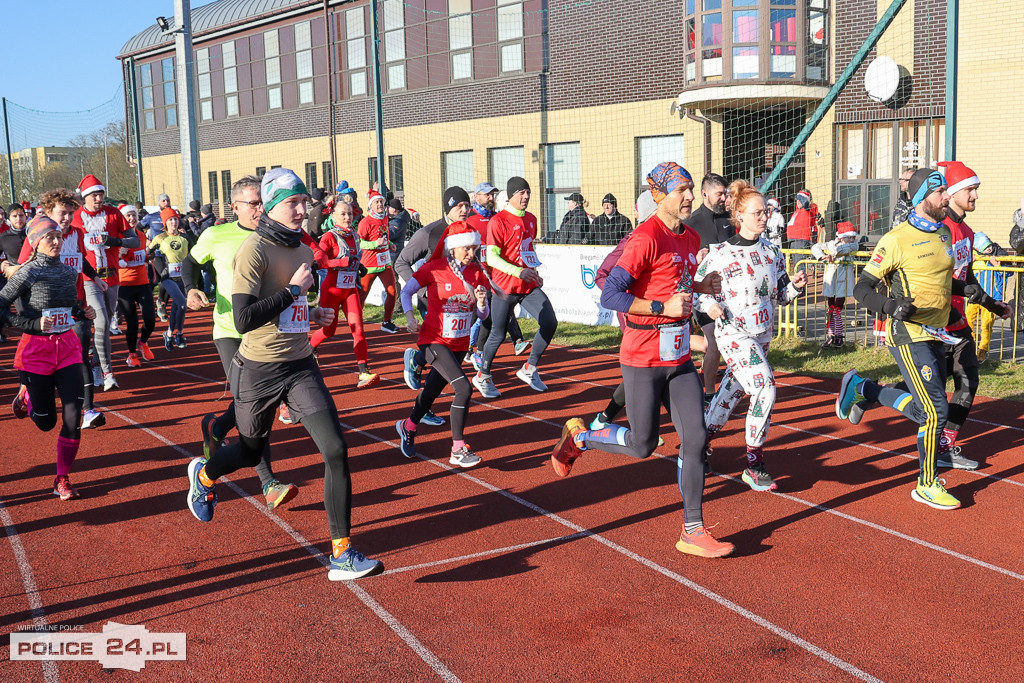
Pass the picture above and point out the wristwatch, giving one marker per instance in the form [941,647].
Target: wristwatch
[295,291]
[657,308]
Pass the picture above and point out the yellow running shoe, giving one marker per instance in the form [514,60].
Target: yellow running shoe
[367,379]
[935,495]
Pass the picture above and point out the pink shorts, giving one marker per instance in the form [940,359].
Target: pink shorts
[45,354]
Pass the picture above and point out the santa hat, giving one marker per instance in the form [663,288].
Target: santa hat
[774,203]
[803,199]
[90,184]
[845,229]
[457,234]
[373,194]
[958,176]
[126,209]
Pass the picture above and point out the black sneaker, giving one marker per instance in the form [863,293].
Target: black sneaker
[952,457]
[407,439]
[168,340]
[389,327]
[180,341]
[757,478]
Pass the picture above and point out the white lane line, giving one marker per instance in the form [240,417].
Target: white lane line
[485,553]
[28,581]
[393,623]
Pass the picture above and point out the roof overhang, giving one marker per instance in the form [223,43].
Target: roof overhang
[752,97]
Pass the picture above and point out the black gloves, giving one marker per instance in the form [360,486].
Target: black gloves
[974,294]
[109,241]
[900,308]
[362,271]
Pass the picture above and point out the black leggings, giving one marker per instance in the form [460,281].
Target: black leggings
[325,430]
[515,333]
[536,304]
[616,403]
[127,297]
[43,391]
[444,369]
[83,330]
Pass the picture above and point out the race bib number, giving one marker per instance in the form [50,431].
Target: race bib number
[295,318]
[456,325]
[73,260]
[529,258]
[137,257]
[961,255]
[347,279]
[383,258]
[94,240]
[174,269]
[761,320]
[674,342]
[60,319]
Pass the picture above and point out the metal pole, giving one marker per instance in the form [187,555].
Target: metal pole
[329,50]
[10,161]
[833,92]
[135,131]
[106,161]
[952,49]
[378,113]
[186,101]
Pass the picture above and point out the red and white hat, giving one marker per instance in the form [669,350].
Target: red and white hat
[90,184]
[958,176]
[458,234]
[845,229]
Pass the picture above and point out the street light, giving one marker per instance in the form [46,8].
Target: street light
[165,27]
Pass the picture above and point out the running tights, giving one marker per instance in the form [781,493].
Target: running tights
[387,278]
[43,391]
[334,298]
[127,298]
[536,304]
[83,330]
[444,369]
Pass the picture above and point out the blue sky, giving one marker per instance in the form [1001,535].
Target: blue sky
[60,40]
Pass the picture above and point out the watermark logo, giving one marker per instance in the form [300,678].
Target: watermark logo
[119,646]
[589,276]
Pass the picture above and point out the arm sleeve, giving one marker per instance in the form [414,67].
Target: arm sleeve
[865,294]
[16,285]
[411,287]
[251,313]
[614,295]
[188,273]
[495,260]
[129,238]
[415,249]
[88,270]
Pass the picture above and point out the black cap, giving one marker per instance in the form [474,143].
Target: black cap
[207,209]
[516,184]
[453,196]
[396,204]
[575,197]
[194,205]
[610,199]
[923,183]
[317,194]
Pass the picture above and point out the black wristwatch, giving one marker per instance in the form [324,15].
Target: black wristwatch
[295,290]
[657,308]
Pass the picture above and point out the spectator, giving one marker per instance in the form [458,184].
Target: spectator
[317,212]
[776,223]
[611,226]
[206,217]
[575,227]
[903,207]
[348,194]
[1017,231]
[192,217]
[141,210]
[802,228]
[398,224]
[152,222]
[993,282]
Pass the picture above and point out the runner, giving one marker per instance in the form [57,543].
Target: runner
[376,257]
[916,261]
[218,246]
[136,289]
[105,233]
[173,245]
[513,262]
[754,279]
[274,363]
[456,288]
[652,282]
[341,249]
[49,353]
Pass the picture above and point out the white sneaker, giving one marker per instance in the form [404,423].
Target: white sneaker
[93,418]
[97,376]
[464,458]
[115,329]
[109,382]
[531,377]
[485,385]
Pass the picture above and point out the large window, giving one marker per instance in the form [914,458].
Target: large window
[272,66]
[510,35]
[204,82]
[561,178]
[158,95]
[504,163]
[355,52]
[328,169]
[651,151]
[460,38]
[457,169]
[394,43]
[311,176]
[225,186]
[304,62]
[396,174]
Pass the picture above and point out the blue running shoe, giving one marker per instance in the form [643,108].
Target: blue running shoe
[597,424]
[411,371]
[201,498]
[407,439]
[431,419]
[353,565]
[477,360]
[849,394]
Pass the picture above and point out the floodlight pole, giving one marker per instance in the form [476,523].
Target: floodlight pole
[187,122]
[952,49]
[378,109]
[10,161]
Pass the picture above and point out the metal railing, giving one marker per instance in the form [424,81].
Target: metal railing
[807,317]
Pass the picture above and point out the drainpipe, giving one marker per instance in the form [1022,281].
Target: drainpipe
[688,113]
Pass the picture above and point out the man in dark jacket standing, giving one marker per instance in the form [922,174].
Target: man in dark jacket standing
[611,226]
[398,223]
[317,213]
[575,228]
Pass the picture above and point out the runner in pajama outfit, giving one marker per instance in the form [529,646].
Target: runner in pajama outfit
[754,279]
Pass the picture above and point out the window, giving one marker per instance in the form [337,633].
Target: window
[817,40]
[355,50]
[457,169]
[158,95]
[328,176]
[745,60]
[304,61]
[460,37]
[504,163]
[651,151]
[212,179]
[272,67]
[225,184]
[261,171]
[561,178]
[510,28]
[881,159]
[396,173]
[230,78]
[394,43]
[311,176]
[710,36]
[205,88]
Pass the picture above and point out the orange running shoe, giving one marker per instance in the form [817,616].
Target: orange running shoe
[703,544]
[147,354]
[566,451]
[133,361]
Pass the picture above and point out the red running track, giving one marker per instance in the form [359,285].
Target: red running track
[504,572]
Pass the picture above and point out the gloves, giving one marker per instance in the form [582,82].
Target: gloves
[109,241]
[974,294]
[362,271]
[900,308]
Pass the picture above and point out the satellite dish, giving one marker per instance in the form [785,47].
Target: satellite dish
[882,79]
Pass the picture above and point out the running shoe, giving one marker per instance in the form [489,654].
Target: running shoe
[389,327]
[477,360]
[201,498]
[97,376]
[180,341]
[566,451]
[147,353]
[278,494]
[849,393]
[353,565]
[161,313]
[367,379]
[411,371]
[109,382]
[531,377]
[597,424]
[757,478]
[429,418]
[115,329]
[407,439]
[485,385]
[92,419]
[464,458]
[521,346]
[19,406]
[62,487]
[708,452]
[857,411]
[168,340]
[953,457]
[285,415]
[210,442]
[133,361]
[702,544]
[935,495]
